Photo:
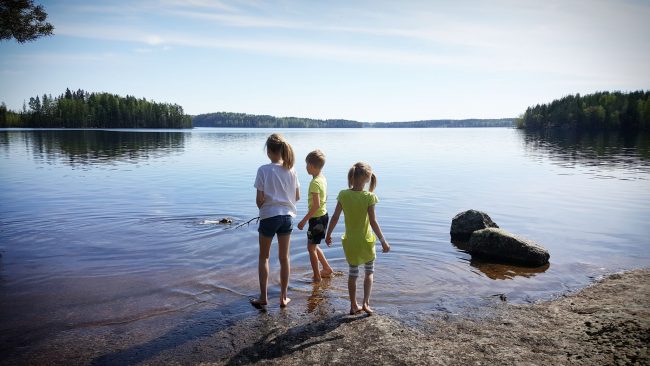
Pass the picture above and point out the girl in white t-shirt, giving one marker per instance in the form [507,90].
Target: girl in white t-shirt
[278,191]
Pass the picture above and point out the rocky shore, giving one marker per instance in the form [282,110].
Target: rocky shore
[607,323]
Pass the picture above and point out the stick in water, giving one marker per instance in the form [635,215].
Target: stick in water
[244,223]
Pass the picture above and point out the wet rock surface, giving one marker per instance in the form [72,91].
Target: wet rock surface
[500,245]
[605,324]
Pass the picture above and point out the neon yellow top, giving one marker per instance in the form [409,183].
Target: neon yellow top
[318,185]
[358,240]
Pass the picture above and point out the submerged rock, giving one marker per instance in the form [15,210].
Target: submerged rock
[498,244]
[467,222]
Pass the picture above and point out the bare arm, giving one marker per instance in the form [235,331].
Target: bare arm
[259,199]
[315,199]
[333,222]
[297,194]
[375,227]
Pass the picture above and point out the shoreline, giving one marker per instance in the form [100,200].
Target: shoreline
[603,324]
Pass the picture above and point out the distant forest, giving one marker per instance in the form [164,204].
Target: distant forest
[448,123]
[81,109]
[629,112]
[226,119]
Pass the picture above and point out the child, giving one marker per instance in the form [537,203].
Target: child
[278,191]
[358,206]
[317,214]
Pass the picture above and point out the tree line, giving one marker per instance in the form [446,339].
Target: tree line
[81,109]
[628,112]
[227,119]
[446,123]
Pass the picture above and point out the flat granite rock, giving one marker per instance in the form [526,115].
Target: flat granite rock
[498,244]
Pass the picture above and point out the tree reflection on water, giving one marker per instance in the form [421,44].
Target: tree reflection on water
[84,147]
[604,149]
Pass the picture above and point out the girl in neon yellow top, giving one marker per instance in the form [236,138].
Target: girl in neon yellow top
[358,240]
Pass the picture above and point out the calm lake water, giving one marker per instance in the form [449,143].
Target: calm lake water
[108,227]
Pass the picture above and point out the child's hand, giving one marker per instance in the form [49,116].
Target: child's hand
[385,247]
[328,240]
[301,225]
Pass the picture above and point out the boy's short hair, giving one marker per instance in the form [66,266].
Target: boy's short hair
[316,158]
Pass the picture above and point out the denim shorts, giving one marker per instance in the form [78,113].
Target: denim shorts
[281,225]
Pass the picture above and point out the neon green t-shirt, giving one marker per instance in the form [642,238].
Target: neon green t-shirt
[318,185]
[358,240]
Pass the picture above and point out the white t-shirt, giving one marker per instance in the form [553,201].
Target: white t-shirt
[279,186]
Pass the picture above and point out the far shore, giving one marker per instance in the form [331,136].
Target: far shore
[607,323]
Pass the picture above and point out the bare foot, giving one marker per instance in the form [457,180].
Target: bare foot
[355,310]
[326,273]
[316,278]
[367,309]
[285,302]
[257,304]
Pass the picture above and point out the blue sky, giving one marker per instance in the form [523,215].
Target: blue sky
[362,60]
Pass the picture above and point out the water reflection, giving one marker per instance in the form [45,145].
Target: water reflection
[85,147]
[319,295]
[608,149]
[499,271]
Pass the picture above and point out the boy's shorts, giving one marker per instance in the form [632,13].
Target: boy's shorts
[281,225]
[316,229]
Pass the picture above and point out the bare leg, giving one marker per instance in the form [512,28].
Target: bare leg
[263,270]
[352,290]
[313,258]
[367,288]
[284,241]
[327,270]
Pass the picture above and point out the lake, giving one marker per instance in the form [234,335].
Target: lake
[103,227]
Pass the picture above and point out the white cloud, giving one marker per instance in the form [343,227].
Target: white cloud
[154,40]
[238,20]
[526,58]
[201,4]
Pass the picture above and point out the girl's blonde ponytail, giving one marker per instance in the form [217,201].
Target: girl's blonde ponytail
[278,145]
[351,176]
[373,182]
[287,155]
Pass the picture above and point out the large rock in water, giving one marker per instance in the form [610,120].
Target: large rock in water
[467,222]
[500,245]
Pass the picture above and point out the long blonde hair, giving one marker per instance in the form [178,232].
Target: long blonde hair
[362,170]
[278,145]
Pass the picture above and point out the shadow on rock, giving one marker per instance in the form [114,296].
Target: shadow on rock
[295,339]
[201,325]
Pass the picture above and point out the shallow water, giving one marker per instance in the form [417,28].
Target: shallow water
[109,227]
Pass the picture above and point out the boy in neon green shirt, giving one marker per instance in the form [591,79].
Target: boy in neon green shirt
[317,214]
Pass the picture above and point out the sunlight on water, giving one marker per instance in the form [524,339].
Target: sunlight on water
[107,227]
